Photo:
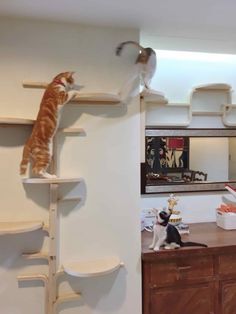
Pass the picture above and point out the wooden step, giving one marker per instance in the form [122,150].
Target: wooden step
[19,227]
[92,268]
[50,181]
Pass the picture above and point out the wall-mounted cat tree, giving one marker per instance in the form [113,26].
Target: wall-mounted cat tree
[89,268]
[205,100]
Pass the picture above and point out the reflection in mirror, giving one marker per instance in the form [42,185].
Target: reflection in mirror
[177,160]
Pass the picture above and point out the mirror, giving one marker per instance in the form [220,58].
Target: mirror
[182,160]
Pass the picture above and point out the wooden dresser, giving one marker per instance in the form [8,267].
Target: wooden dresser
[191,280]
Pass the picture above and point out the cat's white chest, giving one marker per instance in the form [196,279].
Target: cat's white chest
[159,237]
[160,231]
[59,113]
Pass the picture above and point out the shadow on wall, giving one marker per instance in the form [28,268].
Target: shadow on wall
[39,193]
[14,135]
[71,113]
[13,246]
[77,193]
[95,291]
[13,263]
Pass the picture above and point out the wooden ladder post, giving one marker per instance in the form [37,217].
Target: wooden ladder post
[53,240]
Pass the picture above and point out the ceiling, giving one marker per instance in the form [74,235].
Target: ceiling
[201,18]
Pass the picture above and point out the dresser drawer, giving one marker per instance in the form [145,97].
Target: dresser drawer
[170,271]
[227,264]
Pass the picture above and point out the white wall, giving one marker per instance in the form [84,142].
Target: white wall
[210,155]
[197,207]
[106,222]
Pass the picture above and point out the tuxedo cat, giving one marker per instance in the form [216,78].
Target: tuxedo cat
[166,235]
[145,67]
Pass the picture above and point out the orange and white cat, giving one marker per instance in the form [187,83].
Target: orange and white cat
[38,148]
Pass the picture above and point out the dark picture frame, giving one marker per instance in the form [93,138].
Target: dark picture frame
[167,154]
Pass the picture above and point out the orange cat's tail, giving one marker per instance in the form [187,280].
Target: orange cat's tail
[25,160]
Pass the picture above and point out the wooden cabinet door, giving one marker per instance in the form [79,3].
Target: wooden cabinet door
[228,297]
[192,299]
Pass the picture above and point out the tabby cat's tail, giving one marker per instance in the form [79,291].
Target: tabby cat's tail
[25,160]
[120,47]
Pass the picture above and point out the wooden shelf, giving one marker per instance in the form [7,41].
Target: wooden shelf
[215,86]
[229,115]
[93,268]
[70,199]
[15,121]
[208,99]
[38,255]
[39,85]
[83,98]
[159,112]
[207,113]
[171,114]
[19,227]
[49,181]
[97,99]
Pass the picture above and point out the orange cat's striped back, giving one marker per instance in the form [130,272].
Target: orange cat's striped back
[37,148]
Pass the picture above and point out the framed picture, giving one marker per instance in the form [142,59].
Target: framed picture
[167,154]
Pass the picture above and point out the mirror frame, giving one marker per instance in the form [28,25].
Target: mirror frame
[185,187]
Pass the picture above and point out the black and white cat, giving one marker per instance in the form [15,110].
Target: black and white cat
[166,235]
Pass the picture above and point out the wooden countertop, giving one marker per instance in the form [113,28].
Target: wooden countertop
[210,234]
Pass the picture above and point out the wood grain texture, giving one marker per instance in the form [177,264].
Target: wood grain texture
[50,181]
[215,237]
[92,268]
[228,292]
[198,299]
[15,121]
[19,227]
[191,280]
